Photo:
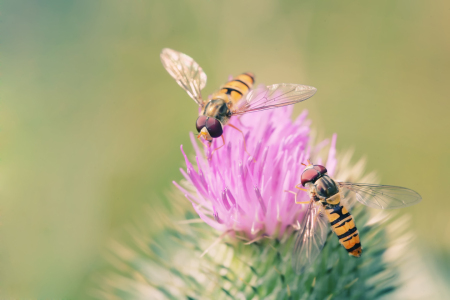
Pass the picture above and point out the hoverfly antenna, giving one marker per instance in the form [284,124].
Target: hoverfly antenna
[309,162]
[201,134]
[303,164]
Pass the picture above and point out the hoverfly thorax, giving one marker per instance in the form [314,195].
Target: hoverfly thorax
[316,175]
[219,109]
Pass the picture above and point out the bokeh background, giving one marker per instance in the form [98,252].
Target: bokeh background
[91,123]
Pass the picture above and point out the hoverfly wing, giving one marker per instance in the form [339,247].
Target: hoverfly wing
[310,238]
[382,196]
[187,73]
[273,96]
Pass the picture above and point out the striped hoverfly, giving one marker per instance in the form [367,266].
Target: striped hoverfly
[235,98]
[325,210]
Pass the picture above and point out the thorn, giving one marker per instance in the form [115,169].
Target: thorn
[351,283]
[248,284]
[215,243]
[254,240]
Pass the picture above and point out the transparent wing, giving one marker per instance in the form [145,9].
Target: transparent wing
[382,196]
[310,238]
[348,198]
[274,96]
[187,73]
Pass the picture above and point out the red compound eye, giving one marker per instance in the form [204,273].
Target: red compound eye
[321,169]
[201,122]
[309,175]
[214,127]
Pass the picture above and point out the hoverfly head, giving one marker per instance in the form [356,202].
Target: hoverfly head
[208,128]
[312,172]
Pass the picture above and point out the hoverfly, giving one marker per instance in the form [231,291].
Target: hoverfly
[325,209]
[235,98]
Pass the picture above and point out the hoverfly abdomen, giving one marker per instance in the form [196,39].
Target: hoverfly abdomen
[237,88]
[343,226]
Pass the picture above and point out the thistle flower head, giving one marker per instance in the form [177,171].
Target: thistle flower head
[232,190]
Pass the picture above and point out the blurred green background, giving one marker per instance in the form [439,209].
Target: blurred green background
[91,123]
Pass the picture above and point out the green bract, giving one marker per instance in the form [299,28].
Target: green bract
[170,265]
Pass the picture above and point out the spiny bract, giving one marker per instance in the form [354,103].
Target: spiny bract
[241,246]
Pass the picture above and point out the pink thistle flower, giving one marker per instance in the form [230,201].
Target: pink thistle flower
[232,192]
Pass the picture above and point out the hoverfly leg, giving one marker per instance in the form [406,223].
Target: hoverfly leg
[243,136]
[199,137]
[238,118]
[223,139]
[295,194]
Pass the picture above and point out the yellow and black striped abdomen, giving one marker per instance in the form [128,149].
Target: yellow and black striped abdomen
[237,88]
[344,227]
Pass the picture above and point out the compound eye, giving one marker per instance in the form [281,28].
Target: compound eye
[309,175]
[214,127]
[321,169]
[201,122]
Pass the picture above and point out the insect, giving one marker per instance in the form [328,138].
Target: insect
[235,98]
[325,210]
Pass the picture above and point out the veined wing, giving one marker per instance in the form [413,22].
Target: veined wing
[310,238]
[273,96]
[187,73]
[382,196]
